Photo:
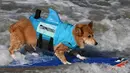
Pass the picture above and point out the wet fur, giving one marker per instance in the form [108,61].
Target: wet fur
[21,32]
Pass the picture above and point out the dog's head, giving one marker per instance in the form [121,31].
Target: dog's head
[84,35]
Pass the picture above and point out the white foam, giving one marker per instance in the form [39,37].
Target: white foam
[87,68]
[5,57]
[20,58]
[30,2]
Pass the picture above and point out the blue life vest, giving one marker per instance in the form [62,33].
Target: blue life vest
[55,28]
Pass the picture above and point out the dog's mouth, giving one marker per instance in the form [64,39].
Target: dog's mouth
[87,43]
[84,43]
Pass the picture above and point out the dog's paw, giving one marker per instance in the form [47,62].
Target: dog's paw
[13,56]
[81,57]
[81,47]
[67,62]
[35,54]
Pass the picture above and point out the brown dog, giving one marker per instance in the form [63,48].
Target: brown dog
[22,32]
[83,35]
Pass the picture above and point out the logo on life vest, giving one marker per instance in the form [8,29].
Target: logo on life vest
[46,29]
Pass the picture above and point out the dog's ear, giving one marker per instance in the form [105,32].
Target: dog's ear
[78,31]
[90,24]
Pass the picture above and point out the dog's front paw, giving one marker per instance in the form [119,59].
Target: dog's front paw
[81,57]
[35,54]
[67,62]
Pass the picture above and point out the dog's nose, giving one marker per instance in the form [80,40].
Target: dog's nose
[96,43]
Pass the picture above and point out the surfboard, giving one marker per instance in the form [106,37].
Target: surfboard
[115,61]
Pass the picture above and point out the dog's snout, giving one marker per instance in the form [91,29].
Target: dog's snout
[96,43]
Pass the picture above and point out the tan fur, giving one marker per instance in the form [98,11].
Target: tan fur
[83,35]
[86,35]
[22,32]
[60,49]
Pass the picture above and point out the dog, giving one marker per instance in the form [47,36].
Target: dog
[82,34]
[66,37]
[21,33]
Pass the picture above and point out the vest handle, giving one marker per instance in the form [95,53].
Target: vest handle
[37,14]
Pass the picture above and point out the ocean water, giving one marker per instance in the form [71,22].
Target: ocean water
[111,25]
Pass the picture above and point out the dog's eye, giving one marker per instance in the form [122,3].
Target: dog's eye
[89,36]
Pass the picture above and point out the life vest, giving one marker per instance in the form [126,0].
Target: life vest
[55,28]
